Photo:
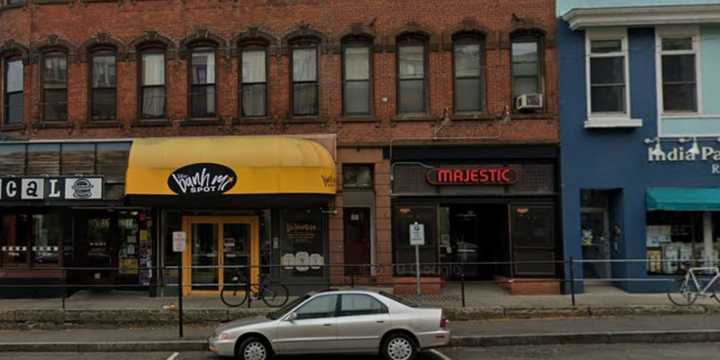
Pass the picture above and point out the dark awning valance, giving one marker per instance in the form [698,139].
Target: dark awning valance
[683,199]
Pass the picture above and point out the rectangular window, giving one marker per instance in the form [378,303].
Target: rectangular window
[607,71]
[153,86]
[14,99]
[403,252]
[468,76]
[254,83]
[55,87]
[357,177]
[32,239]
[356,79]
[525,66]
[411,77]
[679,77]
[104,82]
[202,93]
[305,81]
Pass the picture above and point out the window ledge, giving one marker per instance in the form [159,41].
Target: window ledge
[252,120]
[151,123]
[310,119]
[605,123]
[103,124]
[470,116]
[59,124]
[358,119]
[202,122]
[414,117]
[13,127]
[533,116]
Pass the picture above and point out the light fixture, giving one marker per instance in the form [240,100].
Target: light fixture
[694,149]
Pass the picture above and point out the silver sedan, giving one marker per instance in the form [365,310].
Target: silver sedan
[357,322]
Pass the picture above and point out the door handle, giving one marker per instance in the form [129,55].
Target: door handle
[327,324]
[380,321]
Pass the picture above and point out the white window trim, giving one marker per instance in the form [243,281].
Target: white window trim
[675,32]
[608,119]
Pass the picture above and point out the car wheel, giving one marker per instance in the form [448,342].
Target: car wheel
[253,349]
[399,347]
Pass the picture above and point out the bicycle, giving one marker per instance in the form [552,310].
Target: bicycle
[240,289]
[689,288]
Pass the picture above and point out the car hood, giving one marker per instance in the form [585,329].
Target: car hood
[241,322]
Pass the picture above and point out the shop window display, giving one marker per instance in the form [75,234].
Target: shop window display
[31,239]
[675,240]
[303,251]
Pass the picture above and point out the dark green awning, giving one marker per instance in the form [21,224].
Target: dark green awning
[683,199]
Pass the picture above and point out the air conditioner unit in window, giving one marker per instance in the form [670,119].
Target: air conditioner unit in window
[529,102]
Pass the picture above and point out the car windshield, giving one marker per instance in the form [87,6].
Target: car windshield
[405,302]
[285,309]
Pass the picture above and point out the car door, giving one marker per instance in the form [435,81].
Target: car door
[314,329]
[362,321]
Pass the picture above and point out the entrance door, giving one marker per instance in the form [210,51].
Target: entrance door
[219,247]
[357,241]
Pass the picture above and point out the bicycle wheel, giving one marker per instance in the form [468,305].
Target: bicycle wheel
[233,295]
[682,294]
[275,295]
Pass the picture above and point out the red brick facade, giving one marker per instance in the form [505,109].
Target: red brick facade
[75,26]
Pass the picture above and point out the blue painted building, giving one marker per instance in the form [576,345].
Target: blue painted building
[640,134]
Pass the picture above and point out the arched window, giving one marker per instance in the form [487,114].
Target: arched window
[357,75]
[103,83]
[253,80]
[469,72]
[411,74]
[527,64]
[203,99]
[13,90]
[152,82]
[54,83]
[305,69]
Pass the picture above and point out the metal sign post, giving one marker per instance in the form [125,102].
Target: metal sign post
[417,239]
[179,239]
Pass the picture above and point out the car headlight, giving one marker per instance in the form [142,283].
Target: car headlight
[224,336]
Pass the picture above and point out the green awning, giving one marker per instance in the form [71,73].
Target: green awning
[683,199]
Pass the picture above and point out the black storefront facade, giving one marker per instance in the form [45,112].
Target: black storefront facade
[482,208]
[75,218]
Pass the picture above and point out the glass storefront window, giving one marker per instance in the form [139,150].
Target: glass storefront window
[303,250]
[32,239]
[98,242]
[673,240]
[403,252]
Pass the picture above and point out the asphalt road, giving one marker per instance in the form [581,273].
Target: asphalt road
[169,356]
[698,351]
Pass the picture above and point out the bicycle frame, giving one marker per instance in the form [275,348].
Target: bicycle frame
[702,291]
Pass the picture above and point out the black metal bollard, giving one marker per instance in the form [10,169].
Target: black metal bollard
[572,280]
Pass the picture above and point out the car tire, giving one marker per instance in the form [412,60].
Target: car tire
[399,346]
[253,348]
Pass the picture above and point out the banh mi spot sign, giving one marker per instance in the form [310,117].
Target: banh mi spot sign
[202,179]
[478,176]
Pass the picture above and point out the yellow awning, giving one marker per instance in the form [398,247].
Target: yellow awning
[229,165]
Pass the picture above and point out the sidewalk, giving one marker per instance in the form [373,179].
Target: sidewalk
[86,309]
[682,328]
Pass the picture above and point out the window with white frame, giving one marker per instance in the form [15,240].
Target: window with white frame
[607,70]
[678,56]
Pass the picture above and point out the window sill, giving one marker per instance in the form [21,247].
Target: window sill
[358,119]
[103,124]
[414,117]
[609,123]
[532,116]
[13,127]
[53,2]
[202,122]
[311,119]
[13,6]
[64,124]
[472,116]
[151,123]
[260,120]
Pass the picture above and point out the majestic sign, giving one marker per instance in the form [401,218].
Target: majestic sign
[472,176]
[51,188]
[202,179]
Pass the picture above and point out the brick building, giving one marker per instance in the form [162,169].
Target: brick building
[123,95]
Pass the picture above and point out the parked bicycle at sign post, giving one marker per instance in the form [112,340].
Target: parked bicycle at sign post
[686,291]
[239,289]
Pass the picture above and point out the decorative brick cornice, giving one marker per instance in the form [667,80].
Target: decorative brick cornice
[469,26]
[253,36]
[102,40]
[12,48]
[152,38]
[357,31]
[305,33]
[52,43]
[413,28]
[200,37]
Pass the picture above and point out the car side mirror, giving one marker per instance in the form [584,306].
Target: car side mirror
[292,317]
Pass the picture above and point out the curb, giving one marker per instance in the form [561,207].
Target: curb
[619,337]
[675,336]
